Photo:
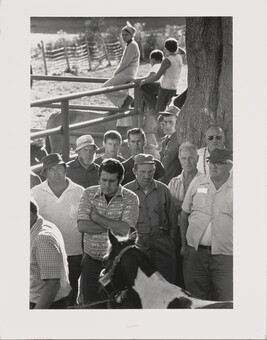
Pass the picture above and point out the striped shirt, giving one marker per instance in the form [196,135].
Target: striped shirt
[124,206]
[48,259]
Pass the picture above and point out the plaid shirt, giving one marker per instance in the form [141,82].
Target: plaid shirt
[124,206]
[48,259]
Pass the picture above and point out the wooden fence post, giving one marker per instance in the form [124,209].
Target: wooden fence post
[138,120]
[88,54]
[66,55]
[43,53]
[65,129]
[105,49]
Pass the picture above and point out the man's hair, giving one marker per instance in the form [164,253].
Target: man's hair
[112,166]
[214,126]
[188,146]
[136,131]
[157,55]
[112,134]
[171,45]
[33,207]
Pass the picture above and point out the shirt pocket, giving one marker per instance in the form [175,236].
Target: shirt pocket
[200,200]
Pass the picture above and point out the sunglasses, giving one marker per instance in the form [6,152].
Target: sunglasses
[212,137]
[216,163]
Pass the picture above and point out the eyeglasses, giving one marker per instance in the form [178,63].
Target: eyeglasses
[212,137]
[216,163]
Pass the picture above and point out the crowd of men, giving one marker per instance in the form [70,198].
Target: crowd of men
[181,207]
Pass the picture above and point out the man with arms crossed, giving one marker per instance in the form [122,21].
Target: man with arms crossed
[104,206]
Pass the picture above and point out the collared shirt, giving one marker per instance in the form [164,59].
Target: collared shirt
[206,204]
[176,187]
[122,207]
[62,211]
[156,208]
[100,159]
[48,259]
[129,175]
[84,177]
[169,158]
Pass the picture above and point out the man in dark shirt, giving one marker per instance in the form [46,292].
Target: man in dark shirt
[170,145]
[157,222]
[82,170]
[136,142]
[112,142]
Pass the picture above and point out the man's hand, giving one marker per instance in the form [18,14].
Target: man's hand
[94,214]
[182,251]
[142,82]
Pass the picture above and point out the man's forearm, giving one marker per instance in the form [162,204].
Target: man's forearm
[183,227]
[90,227]
[119,227]
[48,294]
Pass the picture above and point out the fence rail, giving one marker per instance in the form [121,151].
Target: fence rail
[65,127]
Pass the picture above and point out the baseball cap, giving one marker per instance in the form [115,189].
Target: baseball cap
[143,158]
[220,155]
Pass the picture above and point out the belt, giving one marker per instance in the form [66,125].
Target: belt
[200,246]
[158,231]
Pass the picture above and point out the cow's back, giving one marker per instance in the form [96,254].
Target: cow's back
[77,116]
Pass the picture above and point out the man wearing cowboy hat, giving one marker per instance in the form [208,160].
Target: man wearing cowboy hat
[58,198]
[83,170]
[207,230]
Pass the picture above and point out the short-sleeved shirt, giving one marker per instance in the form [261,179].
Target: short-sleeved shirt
[130,176]
[48,259]
[156,208]
[169,158]
[124,206]
[206,205]
[100,159]
[176,187]
[62,211]
[84,177]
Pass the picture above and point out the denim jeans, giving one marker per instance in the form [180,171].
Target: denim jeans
[164,97]
[208,276]
[90,275]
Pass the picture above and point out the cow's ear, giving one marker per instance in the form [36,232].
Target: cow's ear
[112,238]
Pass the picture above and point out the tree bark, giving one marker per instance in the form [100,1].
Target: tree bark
[209,96]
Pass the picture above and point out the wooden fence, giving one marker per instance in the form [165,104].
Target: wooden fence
[83,54]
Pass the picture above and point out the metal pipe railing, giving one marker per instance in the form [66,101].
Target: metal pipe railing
[86,107]
[84,124]
[69,79]
[64,104]
[76,95]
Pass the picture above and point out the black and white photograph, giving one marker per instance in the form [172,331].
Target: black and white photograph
[134,131]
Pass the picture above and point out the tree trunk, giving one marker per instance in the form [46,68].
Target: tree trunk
[209,96]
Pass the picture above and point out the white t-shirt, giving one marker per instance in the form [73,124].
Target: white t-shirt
[155,69]
[62,211]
